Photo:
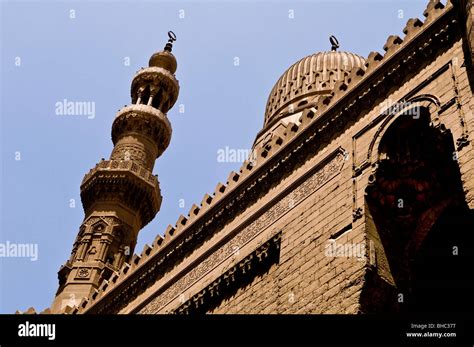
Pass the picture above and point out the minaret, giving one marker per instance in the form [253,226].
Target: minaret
[121,195]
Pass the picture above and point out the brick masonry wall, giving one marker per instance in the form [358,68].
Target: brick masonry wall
[305,279]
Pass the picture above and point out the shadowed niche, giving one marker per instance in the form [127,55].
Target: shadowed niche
[426,229]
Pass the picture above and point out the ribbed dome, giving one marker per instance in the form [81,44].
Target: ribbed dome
[311,76]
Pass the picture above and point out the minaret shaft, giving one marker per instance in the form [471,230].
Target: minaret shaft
[121,195]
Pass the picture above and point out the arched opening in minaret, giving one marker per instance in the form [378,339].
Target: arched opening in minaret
[144,95]
[158,99]
[418,207]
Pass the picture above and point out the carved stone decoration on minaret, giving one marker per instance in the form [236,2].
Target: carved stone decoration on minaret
[121,195]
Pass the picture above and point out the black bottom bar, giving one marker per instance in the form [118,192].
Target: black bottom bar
[314,330]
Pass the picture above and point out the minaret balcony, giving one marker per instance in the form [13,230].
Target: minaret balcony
[126,183]
[155,83]
[144,121]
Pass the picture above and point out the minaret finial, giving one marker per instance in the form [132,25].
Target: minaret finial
[169,44]
[334,43]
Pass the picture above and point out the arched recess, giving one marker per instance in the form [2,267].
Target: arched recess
[418,212]
[412,107]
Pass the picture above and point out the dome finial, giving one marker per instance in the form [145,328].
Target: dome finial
[334,43]
[169,44]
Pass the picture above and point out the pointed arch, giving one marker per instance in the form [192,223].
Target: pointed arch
[414,195]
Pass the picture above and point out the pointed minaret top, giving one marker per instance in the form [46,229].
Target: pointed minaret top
[165,59]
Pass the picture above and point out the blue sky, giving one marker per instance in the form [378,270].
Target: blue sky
[47,56]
